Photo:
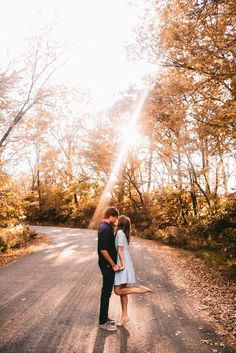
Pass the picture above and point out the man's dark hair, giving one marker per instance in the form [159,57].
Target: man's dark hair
[110,211]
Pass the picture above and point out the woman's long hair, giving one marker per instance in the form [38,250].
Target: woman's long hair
[125,225]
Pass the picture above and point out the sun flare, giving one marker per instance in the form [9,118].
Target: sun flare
[115,172]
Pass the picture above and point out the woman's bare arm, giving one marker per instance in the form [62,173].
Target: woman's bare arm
[121,256]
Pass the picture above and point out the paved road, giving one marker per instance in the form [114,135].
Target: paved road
[49,303]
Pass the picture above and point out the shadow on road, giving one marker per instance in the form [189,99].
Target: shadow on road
[101,337]
[49,303]
[124,339]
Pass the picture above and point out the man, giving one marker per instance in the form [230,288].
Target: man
[107,257]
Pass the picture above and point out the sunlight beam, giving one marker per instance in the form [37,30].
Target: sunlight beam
[115,173]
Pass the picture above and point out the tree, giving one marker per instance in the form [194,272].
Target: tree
[26,85]
[10,205]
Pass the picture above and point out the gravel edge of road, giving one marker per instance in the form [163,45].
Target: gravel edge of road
[36,244]
[215,294]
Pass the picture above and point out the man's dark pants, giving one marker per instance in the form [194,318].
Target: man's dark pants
[108,276]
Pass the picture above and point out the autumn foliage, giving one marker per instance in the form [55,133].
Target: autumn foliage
[177,181]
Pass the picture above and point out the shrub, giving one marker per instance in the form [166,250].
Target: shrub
[11,210]
[15,237]
[81,215]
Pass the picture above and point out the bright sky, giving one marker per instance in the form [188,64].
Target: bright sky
[100,30]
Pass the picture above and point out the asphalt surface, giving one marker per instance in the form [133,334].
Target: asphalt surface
[49,303]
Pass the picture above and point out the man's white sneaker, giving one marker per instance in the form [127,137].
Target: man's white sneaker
[111,321]
[108,327]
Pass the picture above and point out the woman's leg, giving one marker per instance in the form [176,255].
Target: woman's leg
[119,290]
[124,305]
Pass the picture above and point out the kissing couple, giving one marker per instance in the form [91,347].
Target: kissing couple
[116,266]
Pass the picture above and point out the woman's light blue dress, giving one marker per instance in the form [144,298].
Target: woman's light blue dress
[126,275]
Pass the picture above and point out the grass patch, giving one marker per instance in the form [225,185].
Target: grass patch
[220,261]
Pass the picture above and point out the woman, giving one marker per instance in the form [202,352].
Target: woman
[125,275]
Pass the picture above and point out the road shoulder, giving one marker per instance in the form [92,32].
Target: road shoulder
[39,242]
[215,294]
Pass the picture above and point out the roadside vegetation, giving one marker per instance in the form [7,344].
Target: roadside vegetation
[178,180]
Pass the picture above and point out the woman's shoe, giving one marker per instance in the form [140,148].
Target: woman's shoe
[123,322]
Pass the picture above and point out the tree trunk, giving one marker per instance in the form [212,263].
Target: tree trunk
[39,192]
[150,167]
